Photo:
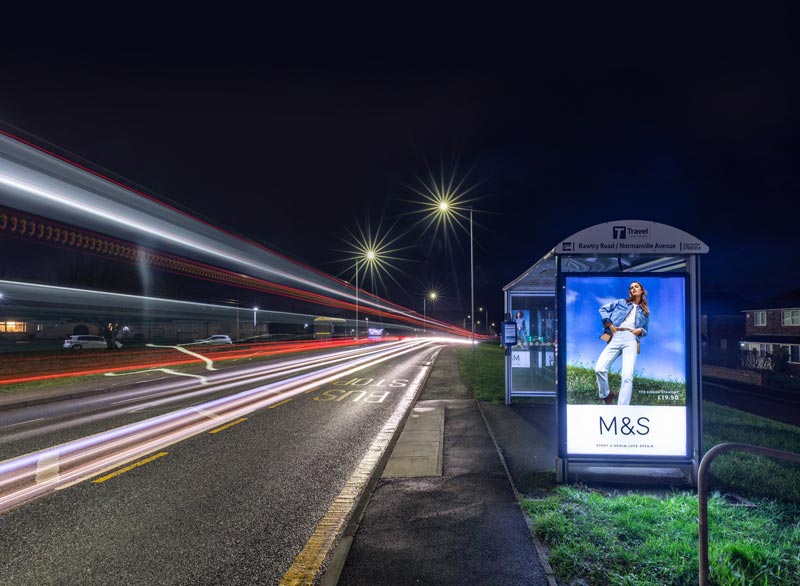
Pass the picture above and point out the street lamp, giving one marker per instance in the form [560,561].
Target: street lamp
[255,309]
[432,296]
[487,319]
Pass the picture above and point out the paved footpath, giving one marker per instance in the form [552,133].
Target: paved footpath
[461,526]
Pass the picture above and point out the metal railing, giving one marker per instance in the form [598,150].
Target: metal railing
[702,491]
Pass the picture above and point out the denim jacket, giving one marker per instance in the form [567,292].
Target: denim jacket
[616,312]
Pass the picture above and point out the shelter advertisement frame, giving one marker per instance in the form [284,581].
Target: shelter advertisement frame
[649,407]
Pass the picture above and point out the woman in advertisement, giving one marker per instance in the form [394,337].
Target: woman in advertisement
[626,320]
[522,330]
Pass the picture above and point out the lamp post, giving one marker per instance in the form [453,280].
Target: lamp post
[255,309]
[432,297]
[369,256]
[446,208]
[471,281]
[486,328]
[356,300]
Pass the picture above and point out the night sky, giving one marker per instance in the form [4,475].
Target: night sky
[296,142]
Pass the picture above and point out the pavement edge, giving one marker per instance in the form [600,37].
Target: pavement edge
[540,550]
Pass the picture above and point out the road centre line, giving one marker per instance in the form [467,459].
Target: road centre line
[279,404]
[21,423]
[129,468]
[227,425]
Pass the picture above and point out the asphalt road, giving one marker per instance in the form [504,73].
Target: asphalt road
[784,407]
[233,507]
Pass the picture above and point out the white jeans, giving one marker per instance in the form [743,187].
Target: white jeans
[621,343]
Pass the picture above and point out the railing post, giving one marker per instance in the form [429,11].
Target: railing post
[702,492]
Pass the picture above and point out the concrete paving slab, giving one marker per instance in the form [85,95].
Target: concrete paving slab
[418,451]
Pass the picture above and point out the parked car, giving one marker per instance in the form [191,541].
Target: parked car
[84,342]
[215,339]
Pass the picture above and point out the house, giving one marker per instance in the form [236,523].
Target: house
[772,325]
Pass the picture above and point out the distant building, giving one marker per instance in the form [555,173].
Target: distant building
[775,324]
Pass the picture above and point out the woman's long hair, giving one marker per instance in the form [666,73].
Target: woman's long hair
[642,300]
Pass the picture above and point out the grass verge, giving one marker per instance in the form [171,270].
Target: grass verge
[483,371]
[650,541]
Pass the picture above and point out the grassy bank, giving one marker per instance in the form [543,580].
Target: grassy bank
[649,541]
[483,371]
[634,539]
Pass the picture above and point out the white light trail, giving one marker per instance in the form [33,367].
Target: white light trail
[27,477]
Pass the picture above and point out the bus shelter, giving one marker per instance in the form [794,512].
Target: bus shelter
[631,399]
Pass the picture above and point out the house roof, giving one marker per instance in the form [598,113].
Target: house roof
[790,299]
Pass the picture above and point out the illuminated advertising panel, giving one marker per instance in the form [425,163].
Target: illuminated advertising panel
[520,355]
[626,392]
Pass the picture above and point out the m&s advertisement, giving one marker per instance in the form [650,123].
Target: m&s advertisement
[626,364]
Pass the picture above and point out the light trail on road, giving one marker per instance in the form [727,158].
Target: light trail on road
[39,473]
[153,396]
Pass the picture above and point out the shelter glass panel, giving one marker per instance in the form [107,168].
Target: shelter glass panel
[533,360]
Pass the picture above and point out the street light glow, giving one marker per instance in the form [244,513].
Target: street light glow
[446,205]
[375,252]
[432,295]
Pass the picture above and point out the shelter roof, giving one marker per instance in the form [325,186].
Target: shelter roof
[620,246]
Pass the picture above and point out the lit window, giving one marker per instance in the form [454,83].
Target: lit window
[760,318]
[13,327]
[791,317]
